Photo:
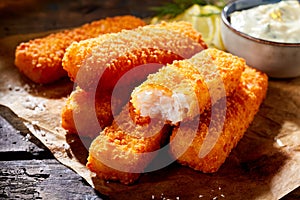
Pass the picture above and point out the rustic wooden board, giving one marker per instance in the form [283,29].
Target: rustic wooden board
[16,17]
[28,170]
[15,135]
[42,179]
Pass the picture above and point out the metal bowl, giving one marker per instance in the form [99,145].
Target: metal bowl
[278,60]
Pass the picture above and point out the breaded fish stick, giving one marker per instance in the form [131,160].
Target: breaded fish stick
[41,59]
[183,89]
[123,150]
[102,61]
[205,151]
[86,114]
[177,36]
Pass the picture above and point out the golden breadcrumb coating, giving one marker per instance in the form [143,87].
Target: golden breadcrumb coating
[183,89]
[41,59]
[180,37]
[241,109]
[86,114]
[119,153]
[102,61]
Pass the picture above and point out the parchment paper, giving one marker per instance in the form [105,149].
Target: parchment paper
[264,165]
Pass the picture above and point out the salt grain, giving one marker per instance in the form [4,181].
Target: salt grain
[26,87]
[66,146]
[27,137]
[43,133]
[9,87]
[34,104]
[35,123]
[279,142]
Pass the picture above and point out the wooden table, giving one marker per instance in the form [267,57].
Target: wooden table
[27,168]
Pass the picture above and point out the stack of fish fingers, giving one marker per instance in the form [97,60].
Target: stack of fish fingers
[98,64]
[198,101]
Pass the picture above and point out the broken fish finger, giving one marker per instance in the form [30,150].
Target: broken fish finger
[205,142]
[184,89]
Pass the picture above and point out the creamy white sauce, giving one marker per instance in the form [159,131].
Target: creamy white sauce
[278,22]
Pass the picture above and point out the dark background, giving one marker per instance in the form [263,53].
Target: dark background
[29,16]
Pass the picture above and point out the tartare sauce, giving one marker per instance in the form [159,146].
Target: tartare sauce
[278,22]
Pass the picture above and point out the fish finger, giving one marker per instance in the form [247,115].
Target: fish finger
[99,63]
[124,149]
[183,89]
[205,145]
[87,115]
[41,59]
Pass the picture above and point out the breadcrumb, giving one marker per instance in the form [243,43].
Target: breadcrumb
[242,106]
[102,61]
[87,115]
[41,59]
[120,152]
[185,88]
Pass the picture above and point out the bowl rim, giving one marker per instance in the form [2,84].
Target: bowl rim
[225,17]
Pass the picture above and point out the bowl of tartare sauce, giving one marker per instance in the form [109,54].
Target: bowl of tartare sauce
[266,33]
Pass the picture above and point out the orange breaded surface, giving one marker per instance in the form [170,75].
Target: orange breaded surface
[112,55]
[241,109]
[84,116]
[41,59]
[196,79]
[119,152]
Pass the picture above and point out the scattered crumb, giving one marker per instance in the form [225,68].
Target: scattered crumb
[35,123]
[66,146]
[17,88]
[27,137]
[279,142]
[34,104]
[9,87]
[26,87]
[43,133]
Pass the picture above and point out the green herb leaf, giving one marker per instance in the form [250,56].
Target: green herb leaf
[176,7]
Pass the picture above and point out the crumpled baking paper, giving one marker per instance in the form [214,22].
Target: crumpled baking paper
[264,165]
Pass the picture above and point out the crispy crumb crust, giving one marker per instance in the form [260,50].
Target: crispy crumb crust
[110,56]
[198,78]
[241,109]
[122,145]
[77,113]
[41,59]
[119,143]
[78,52]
